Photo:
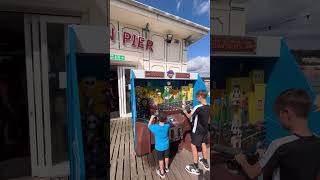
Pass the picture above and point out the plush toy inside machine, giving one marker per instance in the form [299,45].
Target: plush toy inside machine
[238,106]
[162,95]
[94,111]
[169,96]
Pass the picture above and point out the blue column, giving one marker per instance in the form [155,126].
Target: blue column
[75,142]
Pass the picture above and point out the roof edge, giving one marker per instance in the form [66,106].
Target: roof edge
[165,14]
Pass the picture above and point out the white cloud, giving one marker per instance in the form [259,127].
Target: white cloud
[179,2]
[200,64]
[201,7]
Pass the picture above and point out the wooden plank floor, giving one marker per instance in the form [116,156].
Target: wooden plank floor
[126,166]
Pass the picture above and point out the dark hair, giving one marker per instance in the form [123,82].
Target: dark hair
[202,93]
[162,116]
[296,99]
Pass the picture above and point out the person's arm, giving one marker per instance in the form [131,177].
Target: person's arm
[266,165]
[193,112]
[251,170]
[189,115]
[151,120]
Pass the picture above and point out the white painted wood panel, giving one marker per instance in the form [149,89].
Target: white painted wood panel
[159,46]
[174,50]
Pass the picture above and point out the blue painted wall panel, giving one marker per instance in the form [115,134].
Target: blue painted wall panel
[286,74]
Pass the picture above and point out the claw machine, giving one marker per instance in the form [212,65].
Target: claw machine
[170,91]
[247,85]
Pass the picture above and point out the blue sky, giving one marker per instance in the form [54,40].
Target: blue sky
[197,11]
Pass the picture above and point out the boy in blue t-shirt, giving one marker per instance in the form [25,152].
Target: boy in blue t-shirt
[161,136]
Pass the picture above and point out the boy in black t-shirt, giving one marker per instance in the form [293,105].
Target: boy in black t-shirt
[199,117]
[294,157]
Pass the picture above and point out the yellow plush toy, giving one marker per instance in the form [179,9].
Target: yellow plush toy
[158,99]
[94,91]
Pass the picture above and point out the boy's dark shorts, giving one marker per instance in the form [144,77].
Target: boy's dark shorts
[163,154]
[198,139]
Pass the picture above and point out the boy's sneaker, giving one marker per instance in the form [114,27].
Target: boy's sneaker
[192,169]
[160,174]
[204,163]
[166,170]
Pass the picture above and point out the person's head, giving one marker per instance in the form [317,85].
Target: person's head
[201,95]
[292,105]
[162,117]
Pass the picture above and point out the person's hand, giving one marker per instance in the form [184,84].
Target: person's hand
[240,158]
[184,111]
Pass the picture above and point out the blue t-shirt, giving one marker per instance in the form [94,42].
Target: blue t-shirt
[161,136]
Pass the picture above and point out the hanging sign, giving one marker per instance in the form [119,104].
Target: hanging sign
[234,44]
[183,75]
[154,74]
[117,57]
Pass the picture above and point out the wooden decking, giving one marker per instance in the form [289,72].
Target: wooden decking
[125,165]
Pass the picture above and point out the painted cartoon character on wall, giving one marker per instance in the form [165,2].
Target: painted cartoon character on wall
[170,74]
[236,95]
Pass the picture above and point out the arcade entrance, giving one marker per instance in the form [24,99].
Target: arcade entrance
[121,99]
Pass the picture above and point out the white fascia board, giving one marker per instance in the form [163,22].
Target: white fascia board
[161,16]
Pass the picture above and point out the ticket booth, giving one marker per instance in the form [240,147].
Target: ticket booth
[152,92]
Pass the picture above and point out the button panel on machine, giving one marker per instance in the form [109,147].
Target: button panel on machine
[175,132]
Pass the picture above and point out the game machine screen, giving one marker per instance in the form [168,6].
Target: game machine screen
[169,92]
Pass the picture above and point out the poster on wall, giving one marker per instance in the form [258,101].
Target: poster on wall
[233,44]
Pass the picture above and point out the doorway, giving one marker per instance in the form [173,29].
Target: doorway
[15,159]
[115,111]
[46,44]
[121,91]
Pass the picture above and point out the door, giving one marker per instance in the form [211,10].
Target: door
[46,50]
[124,74]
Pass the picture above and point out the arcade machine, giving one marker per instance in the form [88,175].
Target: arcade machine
[87,103]
[243,117]
[169,92]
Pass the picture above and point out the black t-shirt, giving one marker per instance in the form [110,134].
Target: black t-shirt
[292,158]
[200,118]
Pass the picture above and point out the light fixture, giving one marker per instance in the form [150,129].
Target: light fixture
[169,38]
[188,40]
